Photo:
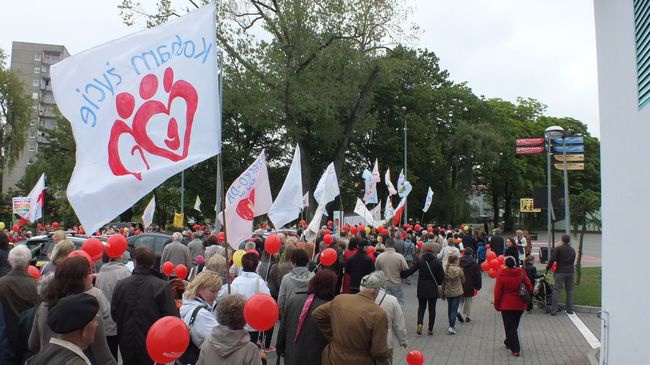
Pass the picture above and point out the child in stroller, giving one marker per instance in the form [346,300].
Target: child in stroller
[542,290]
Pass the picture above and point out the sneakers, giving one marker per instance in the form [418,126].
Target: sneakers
[419,329]
[451,331]
[460,318]
[468,320]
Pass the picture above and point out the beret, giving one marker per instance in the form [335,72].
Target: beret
[72,313]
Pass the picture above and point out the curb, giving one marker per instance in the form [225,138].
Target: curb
[593,357]
[586,309]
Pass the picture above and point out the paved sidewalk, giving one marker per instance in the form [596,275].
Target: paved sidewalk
[544,339]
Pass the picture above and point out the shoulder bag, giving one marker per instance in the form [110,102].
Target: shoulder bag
[523,291]
[191,355]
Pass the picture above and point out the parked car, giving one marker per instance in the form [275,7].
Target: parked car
[42,246]
[156,241]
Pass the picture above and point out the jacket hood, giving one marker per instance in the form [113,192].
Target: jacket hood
[466,261]
[453,271]
[226,341]
[511,272]
[301,274]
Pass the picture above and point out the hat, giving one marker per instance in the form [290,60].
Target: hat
[373,281]
[72,313]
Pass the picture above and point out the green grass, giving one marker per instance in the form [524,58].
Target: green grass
[588,292]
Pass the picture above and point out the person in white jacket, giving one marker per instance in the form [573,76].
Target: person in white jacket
[201,293]
[396,323]
[449,250]
[250,283]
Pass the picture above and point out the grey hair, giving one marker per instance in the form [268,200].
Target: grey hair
[250,245]
[177,236]
[427,246]
[19,257]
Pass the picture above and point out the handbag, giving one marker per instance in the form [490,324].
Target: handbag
[523,292]
[441,293]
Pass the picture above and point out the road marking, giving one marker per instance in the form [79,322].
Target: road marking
[586,333]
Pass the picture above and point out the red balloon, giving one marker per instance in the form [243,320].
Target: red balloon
[485,266]
[84,254]
[328,239]
[39,226]
[430,229]
[354,230]
[326,231]
[272,244]
[181,271]
[492,273]
[487,247]
[361,227]
[55,225]
[16,228]
[167,339]
[261,312]
[494,263]
[168,268]
[491,255]
[116,245]
[415,357]
[501,259]
[371,250]
[554,267]
[34,272]
[330,224]
[418,228]
[94,248]
[328,256]
[221,237]
[419,244]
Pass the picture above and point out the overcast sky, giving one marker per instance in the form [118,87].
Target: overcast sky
[543,49]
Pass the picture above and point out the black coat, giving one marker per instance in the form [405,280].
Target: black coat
[309,347]
[472,271]
[358,266]
[496,244]
[514,252]
[139,301]
[427,287]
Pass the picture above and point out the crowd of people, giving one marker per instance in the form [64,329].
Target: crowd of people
[350,311]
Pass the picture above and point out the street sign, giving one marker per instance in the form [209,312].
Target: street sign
[527,205]
[570,158]
[570,166]
[529,141]
[529,150]
[570,149]
[570,140]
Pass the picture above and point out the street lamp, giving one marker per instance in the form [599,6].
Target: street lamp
[549,134]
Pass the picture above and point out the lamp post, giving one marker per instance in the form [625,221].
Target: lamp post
[549,134]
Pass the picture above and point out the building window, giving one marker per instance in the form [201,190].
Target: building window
[32,133]
[37,56]
[36,82]
[31,147]
[642,36]
[31,160]
[37,69]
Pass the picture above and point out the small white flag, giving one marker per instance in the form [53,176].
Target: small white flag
[326,191]
[361,210]
[389,184]
[403,186]
[429,199]
[305,200]
[147,216]
[197,204]
[389,212]
[36,199]
[289,202]
[376,212]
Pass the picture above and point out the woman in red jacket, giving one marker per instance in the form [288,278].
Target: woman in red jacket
[509,303]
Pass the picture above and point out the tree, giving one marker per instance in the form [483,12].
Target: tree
[584,211]
[15,114]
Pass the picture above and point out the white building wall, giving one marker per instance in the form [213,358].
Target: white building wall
[625,170]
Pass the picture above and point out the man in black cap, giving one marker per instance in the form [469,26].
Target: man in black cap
[75,318]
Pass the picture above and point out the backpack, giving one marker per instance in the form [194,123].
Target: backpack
[191,355]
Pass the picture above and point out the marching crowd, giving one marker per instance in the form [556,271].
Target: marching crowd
[347,310]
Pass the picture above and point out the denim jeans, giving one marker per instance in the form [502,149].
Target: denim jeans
[397,292]
[452,310]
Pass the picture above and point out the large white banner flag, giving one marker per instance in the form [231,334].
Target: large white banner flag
[361,210]
[305,200]
[403,186]
[326,191]
[197,204]
[147,215]
[376,212]
[428,200]
[36,200]
[370,193]
[289,202]
[248,197]
[142,109]
[389,184]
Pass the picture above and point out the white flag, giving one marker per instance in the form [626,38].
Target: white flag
[289,202]
[428,200]
[326,191]
[375,172]
[403,186]
[197,204]
[147,216]
[376,212]
[305,200]
[36,200]
[361,210]
[249,196]
[142,109]
[389,212]
[389,184]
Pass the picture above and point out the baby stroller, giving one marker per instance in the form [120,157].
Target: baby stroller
[542,294]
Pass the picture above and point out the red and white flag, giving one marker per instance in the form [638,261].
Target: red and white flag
[142,109]
[36,200]
[399,211]
[248,197]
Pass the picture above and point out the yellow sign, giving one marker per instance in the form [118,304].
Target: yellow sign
[178,220]
[570,158]
[570,166]
[527,205]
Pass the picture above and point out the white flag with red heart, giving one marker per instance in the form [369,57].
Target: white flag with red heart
[142,109]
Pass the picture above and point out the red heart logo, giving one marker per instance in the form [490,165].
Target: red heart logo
[246,207]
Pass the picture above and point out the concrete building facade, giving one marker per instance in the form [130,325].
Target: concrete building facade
[32,61]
